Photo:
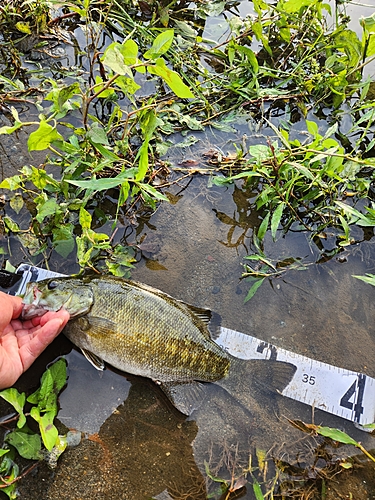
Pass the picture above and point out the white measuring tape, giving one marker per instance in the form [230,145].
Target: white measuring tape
[344,393]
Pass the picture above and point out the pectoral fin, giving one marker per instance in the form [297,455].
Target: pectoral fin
[185,396]
[96,362]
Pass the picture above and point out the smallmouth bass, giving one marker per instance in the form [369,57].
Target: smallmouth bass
[143,331]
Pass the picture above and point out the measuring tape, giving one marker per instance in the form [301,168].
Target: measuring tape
[344,393]
[347,394]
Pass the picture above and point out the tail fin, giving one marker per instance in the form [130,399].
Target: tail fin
[247,375]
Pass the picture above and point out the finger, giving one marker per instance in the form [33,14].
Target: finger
[41,339]
[62,314]
[31,324]
[10,307]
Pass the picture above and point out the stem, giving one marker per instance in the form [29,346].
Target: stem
[2,486]
[363,450]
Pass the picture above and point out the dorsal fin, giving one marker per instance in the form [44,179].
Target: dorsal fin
[204,315]
[207,317]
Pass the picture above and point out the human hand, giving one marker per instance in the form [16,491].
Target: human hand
[21,342]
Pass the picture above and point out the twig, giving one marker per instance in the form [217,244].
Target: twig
[21,476]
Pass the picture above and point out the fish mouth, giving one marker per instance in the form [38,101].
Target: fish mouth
[33,304]
[31,307]
[30,311]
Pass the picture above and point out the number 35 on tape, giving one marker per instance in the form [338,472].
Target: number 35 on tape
[344,393]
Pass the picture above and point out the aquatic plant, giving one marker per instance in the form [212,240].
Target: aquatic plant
[24,442]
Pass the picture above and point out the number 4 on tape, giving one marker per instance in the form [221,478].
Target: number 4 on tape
[344,393]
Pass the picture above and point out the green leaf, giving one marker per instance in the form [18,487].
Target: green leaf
[129,50]
[11,225]
[171,78]
[43,137]
[161,44]
[11,183]
[42,180]
[59,96]
[368,24]
[50,207]
[17,400]
[336,435]
[85,218]
[356,216]
[261,258]
[369,278]
[276,217]
[7,129]
[312,127]
[263,227]
[260,152]
[97,134]
[347,40]
[117,60]
[99,184]
[28,445]
[128,85]
[293,6]
[120,261]
[153,192]
[47,429]
[143,161]
[31,242]
[16,202]
[253,289]
[99,85]
[107,154]
[63,240]
[257,490]
[52,381]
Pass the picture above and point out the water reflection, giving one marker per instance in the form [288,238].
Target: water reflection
[244,220]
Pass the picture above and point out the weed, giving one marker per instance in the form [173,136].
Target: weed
[24,442]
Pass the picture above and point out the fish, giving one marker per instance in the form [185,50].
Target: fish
[143,331]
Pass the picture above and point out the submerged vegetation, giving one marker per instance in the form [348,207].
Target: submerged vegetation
[274,479]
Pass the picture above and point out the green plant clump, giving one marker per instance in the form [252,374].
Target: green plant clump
[28,444]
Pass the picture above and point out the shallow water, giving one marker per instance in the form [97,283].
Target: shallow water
[135,445]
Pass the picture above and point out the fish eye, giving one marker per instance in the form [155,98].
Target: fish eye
[52,285]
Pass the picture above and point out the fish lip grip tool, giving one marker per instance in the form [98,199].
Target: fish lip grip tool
[344,393]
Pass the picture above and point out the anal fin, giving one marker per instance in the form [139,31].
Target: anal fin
[185,396]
